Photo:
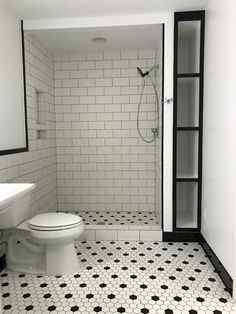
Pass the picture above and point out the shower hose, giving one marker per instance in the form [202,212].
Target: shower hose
[155,130]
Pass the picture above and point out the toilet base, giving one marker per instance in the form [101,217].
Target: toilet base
[26,256]
[62,259]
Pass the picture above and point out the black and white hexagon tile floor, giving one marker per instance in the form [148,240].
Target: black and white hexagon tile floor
[124,277]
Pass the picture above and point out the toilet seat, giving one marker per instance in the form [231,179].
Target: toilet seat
[54,222]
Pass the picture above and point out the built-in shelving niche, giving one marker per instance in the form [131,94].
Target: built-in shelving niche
[40,125]
[187,130]
[189,46]
[188,102]
[187,154]
[186,204]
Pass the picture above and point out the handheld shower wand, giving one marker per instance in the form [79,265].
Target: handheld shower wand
[143,74]
[155,129]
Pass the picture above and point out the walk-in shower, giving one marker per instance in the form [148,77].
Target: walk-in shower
[107,172]
[146,76]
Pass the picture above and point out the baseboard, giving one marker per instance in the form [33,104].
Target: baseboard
[181,236]
[2,262]
[220,270]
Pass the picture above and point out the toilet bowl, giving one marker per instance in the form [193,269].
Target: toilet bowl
[45,244]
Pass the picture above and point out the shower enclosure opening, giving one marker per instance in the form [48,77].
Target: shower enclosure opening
[106,83]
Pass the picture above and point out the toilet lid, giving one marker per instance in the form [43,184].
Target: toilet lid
[54,221]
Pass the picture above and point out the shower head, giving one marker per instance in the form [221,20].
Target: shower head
[143,74]
[140,72]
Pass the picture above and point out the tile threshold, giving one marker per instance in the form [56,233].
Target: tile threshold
[123,227]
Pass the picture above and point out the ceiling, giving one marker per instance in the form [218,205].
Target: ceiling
[49,9]
[78,40]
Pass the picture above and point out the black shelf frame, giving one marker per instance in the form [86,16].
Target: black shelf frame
[187,128]
[182,179]
[181,17]
[188,75]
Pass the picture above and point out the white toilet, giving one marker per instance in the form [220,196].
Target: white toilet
[43,244]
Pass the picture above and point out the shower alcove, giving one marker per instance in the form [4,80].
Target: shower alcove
[105,172]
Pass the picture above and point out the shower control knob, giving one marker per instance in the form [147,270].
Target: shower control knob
[168,100]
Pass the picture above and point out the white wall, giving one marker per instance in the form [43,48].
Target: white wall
[38,165]
[219,140]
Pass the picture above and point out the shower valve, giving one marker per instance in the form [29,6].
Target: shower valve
[168,100]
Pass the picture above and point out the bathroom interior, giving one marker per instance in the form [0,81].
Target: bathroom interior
[115,128]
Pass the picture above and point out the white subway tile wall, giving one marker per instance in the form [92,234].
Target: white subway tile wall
[102,163]
[38,165]
[90,157]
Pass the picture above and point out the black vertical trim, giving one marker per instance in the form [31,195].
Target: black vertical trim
[188,16]
[2,264]
[175,119]
[26,148]
[200,133]
[24,82]
[162,126]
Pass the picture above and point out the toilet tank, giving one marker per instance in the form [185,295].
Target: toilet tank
[14,203]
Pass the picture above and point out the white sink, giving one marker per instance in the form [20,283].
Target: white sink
[9,192]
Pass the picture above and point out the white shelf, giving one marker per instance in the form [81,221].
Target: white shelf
[187,153]
[187,204]
[188,46]
[188,102]
[186,221]
[186,176]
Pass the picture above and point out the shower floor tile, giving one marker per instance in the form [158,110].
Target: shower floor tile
[124,277]
[118,218]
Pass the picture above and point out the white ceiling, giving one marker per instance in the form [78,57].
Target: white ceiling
[46,9]
[78,40]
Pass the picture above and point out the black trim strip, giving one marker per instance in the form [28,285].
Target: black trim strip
[3,262]
[219,268]
[190,236]
[183,75]
[26,148]
[189,15]
[187,179]
[181,236]
[187,128]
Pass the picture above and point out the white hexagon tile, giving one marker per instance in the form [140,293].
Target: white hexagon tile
[124,277]
[118,218]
